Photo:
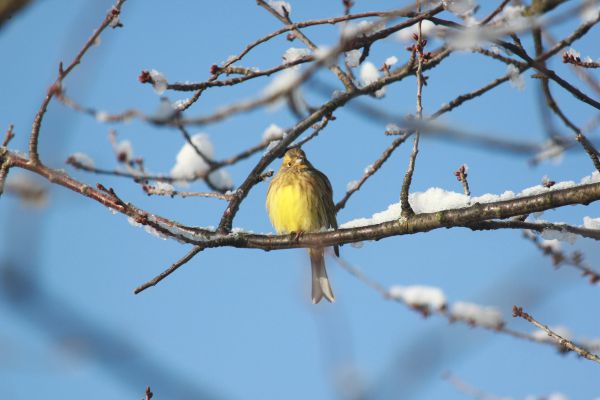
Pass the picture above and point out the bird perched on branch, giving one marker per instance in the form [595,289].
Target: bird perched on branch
[300,199]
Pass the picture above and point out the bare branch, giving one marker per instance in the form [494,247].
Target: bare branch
[518,312]
[371,170]
[9,135]
[153,190]
[461,176]
[62,74]
[574,60]
[185,259]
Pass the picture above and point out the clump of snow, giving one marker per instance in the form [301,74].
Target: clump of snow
[551,396]
[133,222]
[221,179]
[154,232]
[273,132]
[592,345]
[467,39]
[357,245]
[165,110]
[283,82]
[326,54]
[393,128]
[516,78]
[102,116]
[159,82]
[512,18]
[594,178]
[115,21]
[591,223]
[460,8]
[294,53]
[353,58]
[369,74]
[590,11]
[428,297]
[494,49]
[552,244]
[189,164]
[352,185]
[82,159]
[560,330]
[281,7]
[557,396]
[363,28]
[428,29]
[390,61]
[164,186]
[489,317]
[124,150]
[573,53]
[563,236]
[30,190]
[551,150]
[275,142]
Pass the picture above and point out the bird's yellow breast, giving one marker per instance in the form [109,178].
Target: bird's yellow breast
[294,207]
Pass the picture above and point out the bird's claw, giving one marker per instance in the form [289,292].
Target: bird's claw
[297,235]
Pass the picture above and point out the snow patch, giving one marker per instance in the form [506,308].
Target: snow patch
[420,296]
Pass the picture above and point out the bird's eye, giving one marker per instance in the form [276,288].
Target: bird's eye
[289,163]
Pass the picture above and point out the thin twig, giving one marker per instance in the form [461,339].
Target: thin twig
[518,312]
[62,74]
[574,60]
[461,175]
[8,136]
[407,210]
[536,226]
[468,389]
[497,11]
[153,190]
[185,259]
[589,149]
[371,170]
[575,259]
[285,18]
[148,393]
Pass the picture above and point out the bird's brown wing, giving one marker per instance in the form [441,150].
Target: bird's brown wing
[329,205]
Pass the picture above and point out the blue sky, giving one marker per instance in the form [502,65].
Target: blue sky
[238,324]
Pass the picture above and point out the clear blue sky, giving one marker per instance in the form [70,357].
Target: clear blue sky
[238,324]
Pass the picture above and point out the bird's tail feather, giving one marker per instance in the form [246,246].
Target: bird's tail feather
[320,283]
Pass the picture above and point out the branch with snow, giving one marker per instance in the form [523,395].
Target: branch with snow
[430,300]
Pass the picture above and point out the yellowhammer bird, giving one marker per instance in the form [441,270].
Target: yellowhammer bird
[300,199]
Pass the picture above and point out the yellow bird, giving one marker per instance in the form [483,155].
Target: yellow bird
[300,199]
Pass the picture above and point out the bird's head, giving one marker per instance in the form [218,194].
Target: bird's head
[295,158]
